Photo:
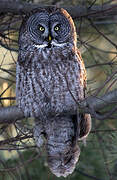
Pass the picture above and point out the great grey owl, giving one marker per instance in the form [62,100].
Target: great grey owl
[50,83]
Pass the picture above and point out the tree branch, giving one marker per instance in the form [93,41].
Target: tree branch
[98,103]
[12,113]
[95,11]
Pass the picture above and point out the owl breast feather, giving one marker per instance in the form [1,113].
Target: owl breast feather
[49,83]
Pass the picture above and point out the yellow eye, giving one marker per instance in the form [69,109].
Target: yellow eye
[56,28]
[41,28]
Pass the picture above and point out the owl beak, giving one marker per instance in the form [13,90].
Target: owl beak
[49,38]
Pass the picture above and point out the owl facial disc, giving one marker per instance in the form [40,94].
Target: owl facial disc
[50,29]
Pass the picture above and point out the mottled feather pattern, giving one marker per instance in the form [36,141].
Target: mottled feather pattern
[47,82]
[50,82]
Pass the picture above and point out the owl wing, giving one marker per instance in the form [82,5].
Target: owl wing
[85,119]
[83,73]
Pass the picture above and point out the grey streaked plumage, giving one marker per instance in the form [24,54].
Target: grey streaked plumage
[50,80]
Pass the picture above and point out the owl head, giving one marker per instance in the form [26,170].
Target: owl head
[46,28]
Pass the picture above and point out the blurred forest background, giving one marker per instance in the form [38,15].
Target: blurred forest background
[96,26]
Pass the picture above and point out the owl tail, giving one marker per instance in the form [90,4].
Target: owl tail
[62,135]
[63,152]
[63,164]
